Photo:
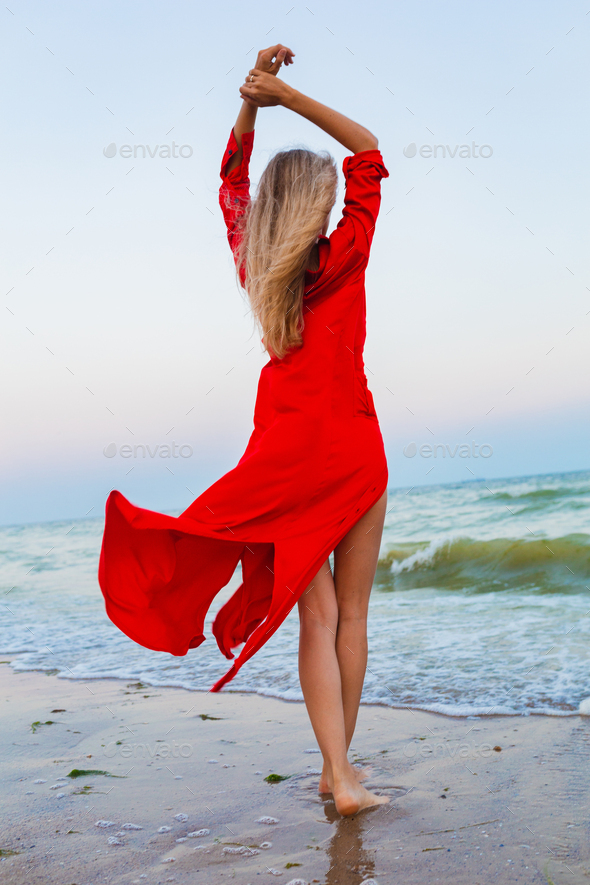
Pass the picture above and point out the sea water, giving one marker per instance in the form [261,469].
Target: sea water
[481,605]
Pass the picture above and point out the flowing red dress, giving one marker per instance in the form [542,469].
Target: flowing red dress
[314,464]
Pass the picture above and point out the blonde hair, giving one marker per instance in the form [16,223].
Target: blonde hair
[295,195]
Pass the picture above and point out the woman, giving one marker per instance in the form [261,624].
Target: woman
[313,477]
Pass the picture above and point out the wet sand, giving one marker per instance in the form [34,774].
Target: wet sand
[180,762]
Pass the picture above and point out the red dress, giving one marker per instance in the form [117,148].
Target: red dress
[314,464]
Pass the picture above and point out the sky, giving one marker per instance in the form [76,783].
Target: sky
[124,336]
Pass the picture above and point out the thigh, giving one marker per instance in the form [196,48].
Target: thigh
[355,561]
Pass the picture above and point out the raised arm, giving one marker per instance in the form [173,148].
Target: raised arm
[247,115]
[266,90]
[351,135]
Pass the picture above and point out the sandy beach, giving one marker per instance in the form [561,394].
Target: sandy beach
[179,788]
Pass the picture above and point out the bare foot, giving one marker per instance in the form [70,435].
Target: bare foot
[349,795]
[361,774]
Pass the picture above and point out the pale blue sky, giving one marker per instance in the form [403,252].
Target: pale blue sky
[122,320]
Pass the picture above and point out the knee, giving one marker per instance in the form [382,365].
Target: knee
[352,618]
[319,610]
[315,612]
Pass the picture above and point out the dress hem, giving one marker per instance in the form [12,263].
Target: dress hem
[380,487]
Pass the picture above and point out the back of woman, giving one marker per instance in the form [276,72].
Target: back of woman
[313,478]
[323,372]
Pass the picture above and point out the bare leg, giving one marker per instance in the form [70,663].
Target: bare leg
[319,673]
[355,563]
[320,670]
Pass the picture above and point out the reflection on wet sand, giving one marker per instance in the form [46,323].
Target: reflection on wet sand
[350,864]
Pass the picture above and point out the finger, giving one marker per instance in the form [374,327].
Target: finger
[285,55]
[276,65]
[246,90]
[289,55]
[281,46]
[272,50]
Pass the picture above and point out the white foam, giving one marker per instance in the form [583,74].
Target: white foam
[425,556]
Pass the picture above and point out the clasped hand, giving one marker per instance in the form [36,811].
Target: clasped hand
[262,88]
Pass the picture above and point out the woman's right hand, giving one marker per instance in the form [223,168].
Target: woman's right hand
[263,90]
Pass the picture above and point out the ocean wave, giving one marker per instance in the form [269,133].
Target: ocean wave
[539,499]
[460,562]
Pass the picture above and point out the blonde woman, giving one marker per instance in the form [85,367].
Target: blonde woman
[313,477]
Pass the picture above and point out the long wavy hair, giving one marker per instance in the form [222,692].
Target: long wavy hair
[279,227]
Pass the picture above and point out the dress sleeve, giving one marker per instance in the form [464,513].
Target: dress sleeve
[362,199]
[234,192]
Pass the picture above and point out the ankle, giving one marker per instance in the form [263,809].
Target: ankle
[342,773]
